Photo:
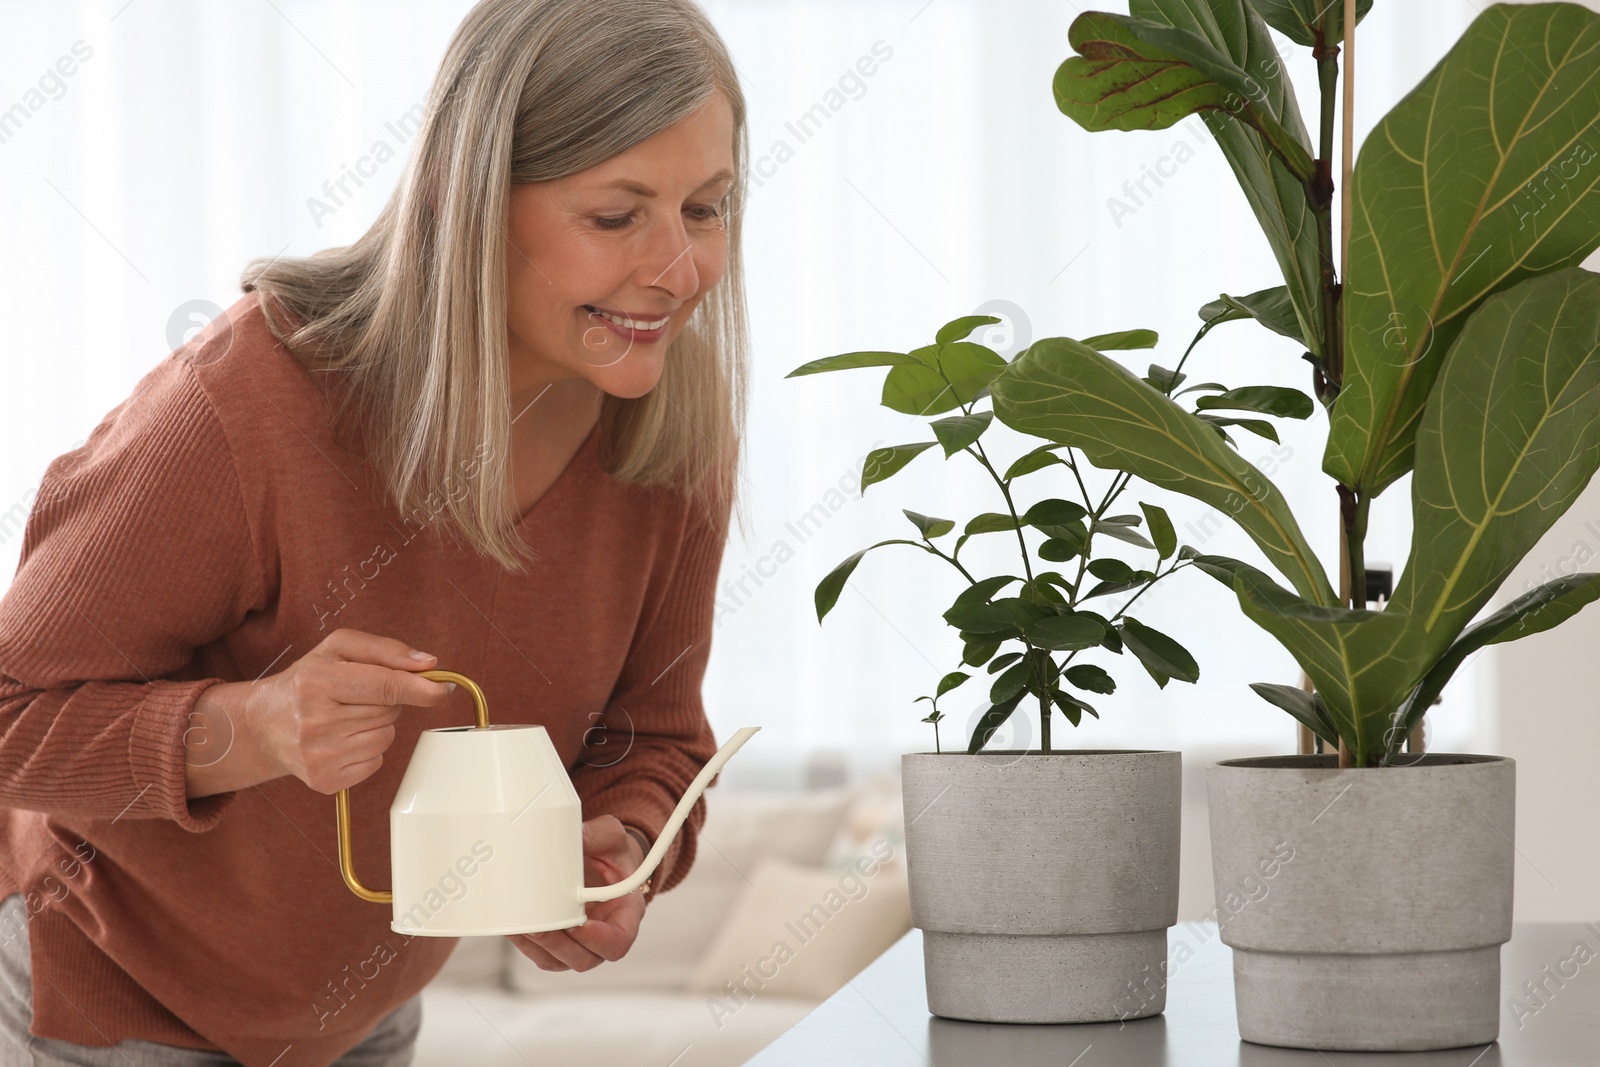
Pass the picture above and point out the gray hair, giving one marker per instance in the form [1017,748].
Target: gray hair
[408,324]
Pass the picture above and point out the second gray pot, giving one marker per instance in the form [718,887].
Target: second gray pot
[1043,884]
[1365,908]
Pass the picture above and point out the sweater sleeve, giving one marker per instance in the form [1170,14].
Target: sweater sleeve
[654,737]
[137,552]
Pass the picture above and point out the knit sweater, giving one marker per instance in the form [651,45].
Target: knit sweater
[211,529]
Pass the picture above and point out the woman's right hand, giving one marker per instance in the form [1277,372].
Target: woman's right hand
[328,718]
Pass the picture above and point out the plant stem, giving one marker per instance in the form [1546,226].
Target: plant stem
[1320,195]
[1005,491]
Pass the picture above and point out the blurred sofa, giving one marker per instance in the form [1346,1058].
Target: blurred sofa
[791,895]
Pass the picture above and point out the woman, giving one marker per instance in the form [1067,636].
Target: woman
[497,435]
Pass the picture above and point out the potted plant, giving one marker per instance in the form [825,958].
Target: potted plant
[1043,881]
[1461,347]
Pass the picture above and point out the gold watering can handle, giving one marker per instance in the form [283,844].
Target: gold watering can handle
[346,866]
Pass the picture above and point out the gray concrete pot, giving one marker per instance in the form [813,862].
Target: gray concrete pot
[1043,884]
[1365,908]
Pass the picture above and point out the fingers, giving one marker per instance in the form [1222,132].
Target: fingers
[559,945]
[367,686]
[542,959]
[358,646]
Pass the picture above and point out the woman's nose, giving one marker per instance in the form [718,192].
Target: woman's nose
[670,264]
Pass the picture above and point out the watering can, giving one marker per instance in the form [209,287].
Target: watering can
[486,832]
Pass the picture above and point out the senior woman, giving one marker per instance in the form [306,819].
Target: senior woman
[498,434]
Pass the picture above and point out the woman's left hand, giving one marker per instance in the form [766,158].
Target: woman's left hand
[610,854]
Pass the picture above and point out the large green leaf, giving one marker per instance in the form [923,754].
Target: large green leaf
[853,360]
[1301,20]
[1535,611]
[828,590]
[1484,175]
[1271,307]
[1363,663]
[1509,438]
[1064,391]
[1276,194]
[922,390]
[1146,73]
[884,463]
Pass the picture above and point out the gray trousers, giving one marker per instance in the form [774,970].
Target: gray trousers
[390,1044]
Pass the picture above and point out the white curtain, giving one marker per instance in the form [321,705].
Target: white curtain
[911,167]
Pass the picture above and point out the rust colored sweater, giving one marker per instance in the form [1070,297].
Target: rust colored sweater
[212,530]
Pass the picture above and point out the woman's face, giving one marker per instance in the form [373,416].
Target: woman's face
[604,267]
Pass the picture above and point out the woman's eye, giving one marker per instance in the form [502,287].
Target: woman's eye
[612,222]
[706,212]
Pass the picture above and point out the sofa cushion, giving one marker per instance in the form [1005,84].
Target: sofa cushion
[804,931]
[741,829]
[463,1025]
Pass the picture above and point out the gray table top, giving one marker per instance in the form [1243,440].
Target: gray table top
[881,1018]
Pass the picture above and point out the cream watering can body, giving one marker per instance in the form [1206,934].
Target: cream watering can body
[486,832]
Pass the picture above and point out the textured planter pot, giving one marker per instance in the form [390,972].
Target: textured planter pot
[1365,908]
[1043,884]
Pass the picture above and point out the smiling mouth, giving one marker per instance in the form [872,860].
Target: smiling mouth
[642,325]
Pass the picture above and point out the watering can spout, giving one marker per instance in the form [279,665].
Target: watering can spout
[670,831]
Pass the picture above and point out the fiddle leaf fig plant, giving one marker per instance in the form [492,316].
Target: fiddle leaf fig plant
[1031,638]
[1462,347]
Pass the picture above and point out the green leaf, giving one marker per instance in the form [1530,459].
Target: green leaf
[1038,459]
[1164,379]
[1266,399]
[1059,549]
[1065,632]
[1535,611]
[1071,706]
[1123,533]
[1272,308]
[990,522]
[958,329]
[1111,570]
[1062,391]
[1135,74]
[1258,427]
[990,721]
[1161,531]
[976,654]
[829,588]
[1305,706]
[1094,679]
[921,390]
[1122,340]
[959,431]
[1162,657]
[1007,616]
[1010,683]
[1275,192]
[930,527]
[1054,512]
[883,463]
[1484,175]
[1363,663]
[1301,20]
[852,360]
[950,681]
[1000,663]
[1203,387]
[1509,438]
[980,591]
